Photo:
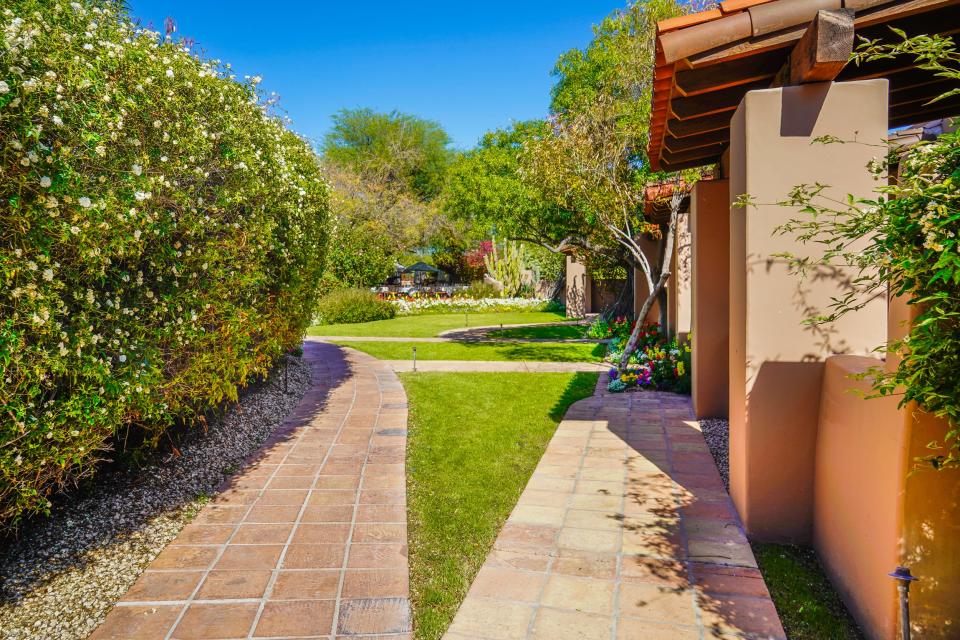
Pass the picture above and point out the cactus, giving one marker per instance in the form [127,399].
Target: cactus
[507,268]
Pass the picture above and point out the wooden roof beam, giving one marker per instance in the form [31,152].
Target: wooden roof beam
[822,52]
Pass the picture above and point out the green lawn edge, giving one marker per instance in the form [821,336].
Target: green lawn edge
[507,351]
[809,607]
[474,440]
[432,324]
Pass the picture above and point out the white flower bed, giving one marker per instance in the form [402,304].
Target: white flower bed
[459,305]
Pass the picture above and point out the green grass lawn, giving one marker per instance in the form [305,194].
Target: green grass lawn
[809,608]
[429,325]
[556,332]
[515,351]
[474,440]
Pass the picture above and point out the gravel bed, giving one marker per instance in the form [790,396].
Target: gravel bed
[717,434]
[64,573]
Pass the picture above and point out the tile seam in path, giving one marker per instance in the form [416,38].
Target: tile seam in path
[259,559]
[654,549]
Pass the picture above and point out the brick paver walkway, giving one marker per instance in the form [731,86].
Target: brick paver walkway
[308,541]
[624,532]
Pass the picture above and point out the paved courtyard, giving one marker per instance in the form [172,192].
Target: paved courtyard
[309,541]
[624,532]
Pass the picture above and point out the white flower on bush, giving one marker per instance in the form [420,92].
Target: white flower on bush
[74,229]
[169,73]
[137,169]
[141,195]
[84,202]
[48,275]
[4,87]
[122,358]
[57,120]
[45,182]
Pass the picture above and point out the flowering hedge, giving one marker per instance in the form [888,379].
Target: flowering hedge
[161,235]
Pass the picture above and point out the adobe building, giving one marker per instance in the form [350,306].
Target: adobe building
[749,87]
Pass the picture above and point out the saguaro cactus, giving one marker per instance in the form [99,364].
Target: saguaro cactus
[506,267]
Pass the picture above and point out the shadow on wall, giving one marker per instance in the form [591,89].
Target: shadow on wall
[160,491]
[680,531]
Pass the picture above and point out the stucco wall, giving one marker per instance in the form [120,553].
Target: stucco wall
[710,231]
[776,360]
[858,489]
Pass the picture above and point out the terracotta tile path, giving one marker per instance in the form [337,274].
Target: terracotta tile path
[624,532]
[309,540]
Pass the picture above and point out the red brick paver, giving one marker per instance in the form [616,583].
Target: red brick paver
[309,540]
[624,532]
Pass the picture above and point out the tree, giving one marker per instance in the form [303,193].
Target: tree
[575,183]
[385,169]
[394,150]
[585,167]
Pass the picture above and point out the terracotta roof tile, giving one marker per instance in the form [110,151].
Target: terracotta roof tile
[731,6]
[690,19]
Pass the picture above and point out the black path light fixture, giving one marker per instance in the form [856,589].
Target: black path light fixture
[903,577]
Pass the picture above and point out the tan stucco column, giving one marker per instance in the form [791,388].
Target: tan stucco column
[579,289]
[776,361]
[710,254]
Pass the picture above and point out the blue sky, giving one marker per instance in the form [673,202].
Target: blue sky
[471,66]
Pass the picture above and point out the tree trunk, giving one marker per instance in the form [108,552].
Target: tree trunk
[666,262]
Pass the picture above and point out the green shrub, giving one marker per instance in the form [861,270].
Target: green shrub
[349,306]
[478,290]
[161,236]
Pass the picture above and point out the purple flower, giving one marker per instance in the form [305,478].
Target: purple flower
[613,373]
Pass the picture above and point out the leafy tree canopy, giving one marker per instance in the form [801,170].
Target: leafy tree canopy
[396,150]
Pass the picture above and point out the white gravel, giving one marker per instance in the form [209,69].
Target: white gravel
[62,576]
[716,432]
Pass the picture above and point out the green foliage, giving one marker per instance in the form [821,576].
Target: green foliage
[349,306]
[479,290]
[506,266]
[161,236]
[617,65]
[358,256]
[390,149]
[484,186]
[809,607]
[904,242]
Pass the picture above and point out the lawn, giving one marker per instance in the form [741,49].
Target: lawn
[474,440]
[549,332]
[809,607]
[515,351]
[429,325]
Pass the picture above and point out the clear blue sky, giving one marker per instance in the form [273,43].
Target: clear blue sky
[470,65]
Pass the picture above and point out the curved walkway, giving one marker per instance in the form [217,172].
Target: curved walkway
[624,532]
[308,540]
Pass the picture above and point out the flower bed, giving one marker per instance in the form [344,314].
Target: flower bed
[656,364]
[413,306]
[161,239]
